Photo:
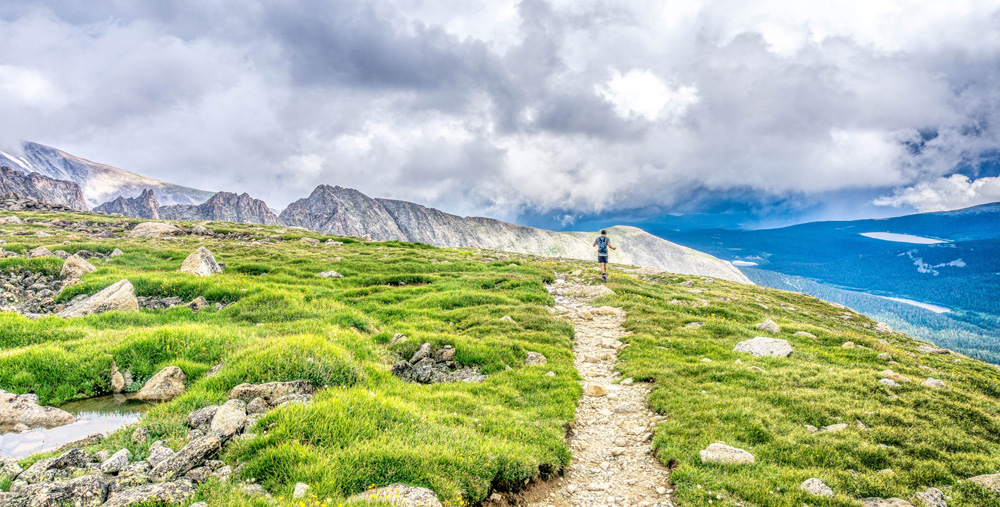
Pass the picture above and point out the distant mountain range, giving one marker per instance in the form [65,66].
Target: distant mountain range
[945,266]
[98,182]
[332,210]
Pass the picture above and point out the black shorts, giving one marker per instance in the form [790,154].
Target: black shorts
[602,258]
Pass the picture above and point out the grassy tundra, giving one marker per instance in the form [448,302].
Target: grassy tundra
[368,428]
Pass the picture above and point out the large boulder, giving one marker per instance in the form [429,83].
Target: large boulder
[192,455]
[399,495]
[762,346]
[271,391]
[24,409]
[154,230]
[75,267]
[172,493]
[166,385]
[9,469]
[86,490]
[119,296]
[726,455]
[201,263]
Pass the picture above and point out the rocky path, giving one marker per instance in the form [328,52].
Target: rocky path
[613,464]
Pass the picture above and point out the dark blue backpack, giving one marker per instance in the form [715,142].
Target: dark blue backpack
[602,244]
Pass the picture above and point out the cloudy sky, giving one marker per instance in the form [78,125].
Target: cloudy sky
[549,109]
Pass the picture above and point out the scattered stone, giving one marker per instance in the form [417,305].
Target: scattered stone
[816,487]
[214,371]
[933,497]
[75,267]
[201,262]
[726,455]
[550,374]
[310,241]
[202,418]
[833,428]
[506,318]
[932,350]
[117,462]
[761,346]
[115,253]
[154,230]
[810,428]
[625,408]
[166,385]
[883,328]
[399,495]
[595,390]
[301,490]
[535,358]
[768,326]
[198,304]
[848,345]
[885,356]
[934,383]
[39,252]
[889,374]
[24,410]
[693,325]
[888,382]
[805,334]
[330,274]
[119,296]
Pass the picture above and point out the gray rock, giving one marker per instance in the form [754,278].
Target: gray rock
[990,481]
[154,230]
[116,253]
[192,455]
[117,462]
[198,304]
[934,383]
[172,493]
[330,274]
[301,490]
[271,391]
[816,487]
[888,382]
[805,334]
[257,406]
[933,497]
[199,475]
[119,296]
[39,252]
[159,454]
[140,436]
[535,359]
[75,267]
[117,379]
[932,350]
[166,385]
[447,353]
[762,346]
[726,455]
[200,263]
[833,428]
[292,399]
[399,495]
[229,419]
[422,353]
[201,419]
[885,356]
[768,326]
[9,469]
[133,475]
[24,410]
[885,502]
[86,490]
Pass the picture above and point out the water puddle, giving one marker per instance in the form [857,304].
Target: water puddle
[103,414]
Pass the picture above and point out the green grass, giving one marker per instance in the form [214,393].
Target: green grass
[367,428]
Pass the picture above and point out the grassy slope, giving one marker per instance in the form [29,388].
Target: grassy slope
[369,428]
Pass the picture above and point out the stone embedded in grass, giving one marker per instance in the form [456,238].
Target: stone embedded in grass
[761,346]
[932,350]
[726,455]
[889,374]
[301,490]
[154,230]
[119,296]
[166,385]
[201,262]
[883,328]
[506,318]
[399,495]
[768,326]
[885,356]
[933,497]
[271,391]
[75,267]
[198,304]
[934,383]
[535,359]
[888,382]
[330,274]
[847,345]
[10,220]
[24,409]
[176,493]
[804,334]
[989,481]
[190,456]
[115,253]
[833,428]
[816,487]
[885,502]
[39,252]
[424,351]
[310,241]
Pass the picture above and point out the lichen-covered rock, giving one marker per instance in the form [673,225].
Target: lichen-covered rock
[271,391]
[75,267]
[172,493]
[201,419]
[154,230]
[24,409]
[200,263]
[399,495]
[535,359]
[229,419]
[816,487]
[166,385]
[119,296]
[158,454]
[990,481]
[117,462]
[9,469]
[190,456]
[726,455]
[933,497]
[761,346]
[257,406]
[86,490]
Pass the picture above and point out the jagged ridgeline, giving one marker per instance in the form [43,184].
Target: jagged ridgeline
[277,368]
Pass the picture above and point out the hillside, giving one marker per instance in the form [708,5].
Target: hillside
[490,324]
[345,211]
[100,182]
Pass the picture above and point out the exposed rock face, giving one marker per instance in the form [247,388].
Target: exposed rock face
[24,409]
[726,455]
[342,211]
[143,206]
[166,385]
[75,267]
[41,188]
[201,263]
[224,207]
[399,495]
[762,346]
[99,182]
[119,296]
[154,230]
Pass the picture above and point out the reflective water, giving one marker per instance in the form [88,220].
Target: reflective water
[103,414]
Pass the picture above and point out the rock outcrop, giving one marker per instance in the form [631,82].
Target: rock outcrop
[143,206]
[24,411]
[224,207]
[201,262]
[40,188]
[119,296]
[344,211]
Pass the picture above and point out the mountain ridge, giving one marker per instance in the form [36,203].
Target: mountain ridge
[41,188]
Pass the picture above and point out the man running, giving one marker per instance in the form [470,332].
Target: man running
[603,242]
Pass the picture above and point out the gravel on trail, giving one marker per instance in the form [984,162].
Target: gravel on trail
[611,440]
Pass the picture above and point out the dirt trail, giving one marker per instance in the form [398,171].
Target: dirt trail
[611,441]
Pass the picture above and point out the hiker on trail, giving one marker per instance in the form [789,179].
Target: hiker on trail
[603,242]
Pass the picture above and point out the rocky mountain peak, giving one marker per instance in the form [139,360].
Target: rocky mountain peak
[144,206]
[42,188]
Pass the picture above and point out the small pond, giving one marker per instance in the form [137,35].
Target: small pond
[103,414]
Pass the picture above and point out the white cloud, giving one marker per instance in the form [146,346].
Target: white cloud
[640,93]
[942,194]
[29,87]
